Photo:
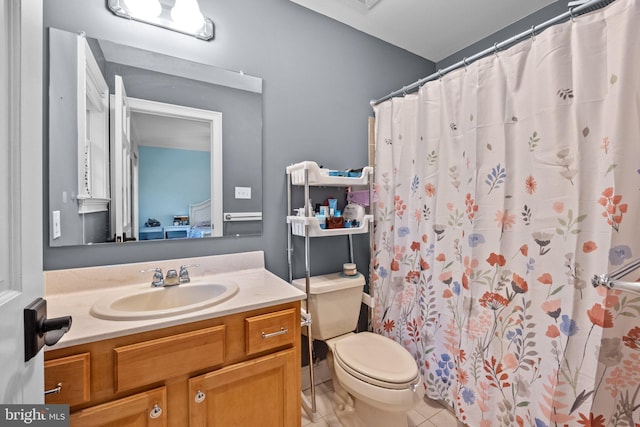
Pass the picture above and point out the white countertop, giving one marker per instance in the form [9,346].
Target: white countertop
[257,288]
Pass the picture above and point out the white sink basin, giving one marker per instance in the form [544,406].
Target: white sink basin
[154,303]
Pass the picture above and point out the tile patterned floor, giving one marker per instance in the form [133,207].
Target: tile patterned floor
[427,414]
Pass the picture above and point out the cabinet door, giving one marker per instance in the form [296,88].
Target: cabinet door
[261,392]
[147,409]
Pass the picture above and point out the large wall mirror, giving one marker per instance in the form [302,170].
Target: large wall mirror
[144,146]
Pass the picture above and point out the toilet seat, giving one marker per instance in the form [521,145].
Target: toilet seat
[377,360]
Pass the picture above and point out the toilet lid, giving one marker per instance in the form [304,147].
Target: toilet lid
[377,360]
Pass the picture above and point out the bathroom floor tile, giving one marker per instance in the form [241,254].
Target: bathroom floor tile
[307,423]
[428,413]
[428,408]
[444,419]
[323,402]
[415,418]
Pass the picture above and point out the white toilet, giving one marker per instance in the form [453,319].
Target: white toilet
[376,380]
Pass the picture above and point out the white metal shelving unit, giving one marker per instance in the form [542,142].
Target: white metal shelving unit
[308,174]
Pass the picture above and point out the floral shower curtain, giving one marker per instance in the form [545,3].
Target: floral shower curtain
[502,189]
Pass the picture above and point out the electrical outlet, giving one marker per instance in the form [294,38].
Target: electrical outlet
[55,224]
[243,192]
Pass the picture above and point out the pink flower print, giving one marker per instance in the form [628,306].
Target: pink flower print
[471,206]
[446,277]
[552,331]
[632,339]
[530,184]
[430,189]
[552,308]
[510,361]
[614,210]
[470,264]
[558,207]
[496,259]
[545,279]
[412,277]
[605,144]
[589,246]
[504,220]
[493,300]
[519,285]
[599,316]
[400,206]
[398,252]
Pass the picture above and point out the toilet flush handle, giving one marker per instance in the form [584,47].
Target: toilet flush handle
[414,387]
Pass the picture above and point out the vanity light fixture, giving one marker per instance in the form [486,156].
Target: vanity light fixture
[183,16]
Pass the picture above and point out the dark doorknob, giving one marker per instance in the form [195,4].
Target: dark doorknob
[40,331]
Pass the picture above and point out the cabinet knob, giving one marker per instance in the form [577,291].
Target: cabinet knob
[200,396]
[155,412]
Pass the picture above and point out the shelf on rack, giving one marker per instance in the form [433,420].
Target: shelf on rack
[298,227]
[320,176]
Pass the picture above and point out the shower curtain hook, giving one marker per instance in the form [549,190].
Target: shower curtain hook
[571,14]
[533,33]
[495,49]
[440,74]
[464,61]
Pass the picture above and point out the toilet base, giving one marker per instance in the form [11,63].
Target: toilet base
[360,414]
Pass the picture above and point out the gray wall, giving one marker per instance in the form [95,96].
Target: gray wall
[319,76]
[544,14]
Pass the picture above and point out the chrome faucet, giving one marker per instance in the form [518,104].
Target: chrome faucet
[184,273]
[171,279]
[158,279]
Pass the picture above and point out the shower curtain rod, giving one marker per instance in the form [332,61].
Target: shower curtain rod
[570,14]
[610,281]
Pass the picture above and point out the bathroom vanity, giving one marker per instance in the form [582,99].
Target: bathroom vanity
[235,363]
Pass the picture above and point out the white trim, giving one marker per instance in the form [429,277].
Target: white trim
[92,204]
[92,95]
[21,243]
[215,122]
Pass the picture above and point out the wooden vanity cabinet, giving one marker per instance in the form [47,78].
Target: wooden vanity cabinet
[238,370]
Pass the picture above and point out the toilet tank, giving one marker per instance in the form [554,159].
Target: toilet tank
[334,303]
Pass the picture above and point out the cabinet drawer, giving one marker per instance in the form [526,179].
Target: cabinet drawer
[269,331]
[143,409]
[72,373]
[152,361]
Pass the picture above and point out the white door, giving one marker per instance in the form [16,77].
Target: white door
[21,274]
[121,154]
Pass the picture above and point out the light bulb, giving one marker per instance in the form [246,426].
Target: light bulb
[144,9]
[187,16]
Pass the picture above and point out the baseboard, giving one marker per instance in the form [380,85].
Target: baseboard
[320,371]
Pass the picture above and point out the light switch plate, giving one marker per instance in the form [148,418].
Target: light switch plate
[243,192]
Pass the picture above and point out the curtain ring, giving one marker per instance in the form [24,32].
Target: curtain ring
[440,74]
[571,14]
[464,61]
[495,48]
[533,32]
